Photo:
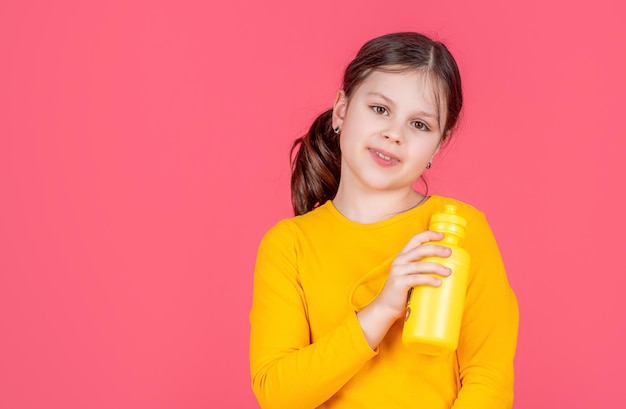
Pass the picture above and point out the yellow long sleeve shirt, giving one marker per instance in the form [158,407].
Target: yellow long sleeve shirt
[307,350]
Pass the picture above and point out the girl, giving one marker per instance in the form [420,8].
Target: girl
[331,283]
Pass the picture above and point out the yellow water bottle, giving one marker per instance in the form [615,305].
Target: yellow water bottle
[433,315]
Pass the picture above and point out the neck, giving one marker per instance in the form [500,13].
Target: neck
[373,207]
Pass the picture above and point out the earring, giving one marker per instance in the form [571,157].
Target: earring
[428,165]
[336,130]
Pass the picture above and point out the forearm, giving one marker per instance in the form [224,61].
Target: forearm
[307,377]
[375,322]
[485,389]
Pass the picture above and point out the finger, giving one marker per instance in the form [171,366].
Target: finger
[421,238]
[418,253]
[422,267]
[414,280]
[426,250]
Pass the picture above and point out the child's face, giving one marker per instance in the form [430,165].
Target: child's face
[390,130]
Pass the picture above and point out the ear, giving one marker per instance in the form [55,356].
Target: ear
[339,108]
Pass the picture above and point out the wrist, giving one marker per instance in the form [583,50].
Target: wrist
[382,312]
[375,321]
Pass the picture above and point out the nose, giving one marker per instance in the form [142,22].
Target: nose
[393,132]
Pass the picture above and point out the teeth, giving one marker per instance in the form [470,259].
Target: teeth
[380,155]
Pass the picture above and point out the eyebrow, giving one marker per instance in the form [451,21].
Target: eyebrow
[390,102]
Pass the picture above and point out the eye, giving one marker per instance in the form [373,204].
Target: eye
[380,110]
[421,126]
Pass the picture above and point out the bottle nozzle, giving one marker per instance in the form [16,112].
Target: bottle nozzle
[449,222]
[450,209]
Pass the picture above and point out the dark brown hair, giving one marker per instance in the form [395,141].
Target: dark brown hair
[316,165]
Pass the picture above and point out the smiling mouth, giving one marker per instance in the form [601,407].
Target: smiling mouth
[380,155]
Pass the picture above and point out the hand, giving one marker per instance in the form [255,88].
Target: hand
[407,271]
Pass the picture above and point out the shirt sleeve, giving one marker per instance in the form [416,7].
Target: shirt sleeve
[489,330]
[288,371]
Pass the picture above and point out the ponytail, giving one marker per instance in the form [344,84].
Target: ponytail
[316,166]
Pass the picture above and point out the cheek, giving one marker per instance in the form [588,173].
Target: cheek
[424,148]
[344,140]
[352,132]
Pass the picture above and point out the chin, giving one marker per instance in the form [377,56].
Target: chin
[383,185]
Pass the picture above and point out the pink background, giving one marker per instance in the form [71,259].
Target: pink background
[144,152]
